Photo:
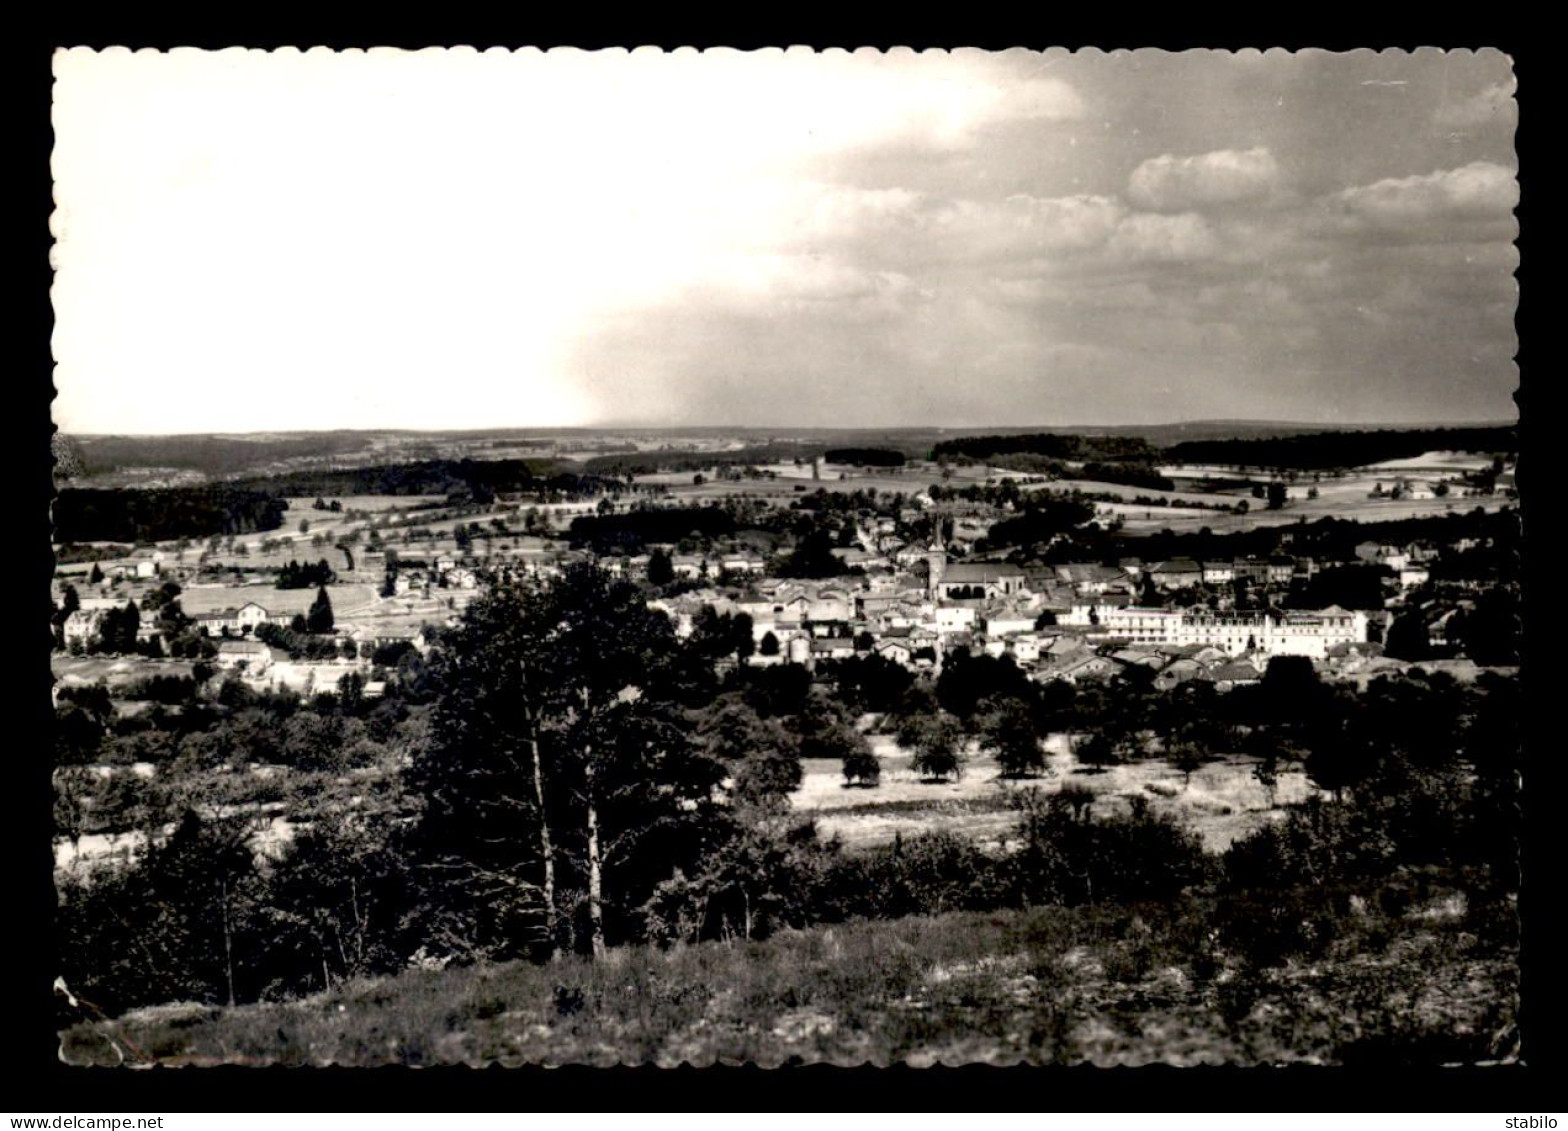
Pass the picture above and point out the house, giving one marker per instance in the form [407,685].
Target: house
[874,605]
[1219,573]
[147,568]
[830,605]
[1139,657]
[1089,667]
[688,566]
[381,636]
[1251,570]
[899,651]
[82,626]
[955,618]
[245,655]
[1062,645]
[792,611]
[741,562]
[832,648]
[1413,575]
[1089,579]
[246,619]
[1437,629]
[1177,672]
[1025,648]
[1225,677]
[853,556]
[1281,569]
[1008,623]
[1178,573]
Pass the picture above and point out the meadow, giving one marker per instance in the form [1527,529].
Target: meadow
[1222,801]
[1106,985]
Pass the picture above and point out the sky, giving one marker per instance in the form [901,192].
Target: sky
[255,241]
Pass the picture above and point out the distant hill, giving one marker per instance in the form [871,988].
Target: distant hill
[1321,450]
[122,460]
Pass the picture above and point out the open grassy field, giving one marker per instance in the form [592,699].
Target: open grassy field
[1105,985]
[347,600]
[115,671]
[1222,802]
[1344,499]
[302,507]
[1123,491]
[906,480]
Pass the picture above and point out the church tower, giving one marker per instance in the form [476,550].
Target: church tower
[936,565]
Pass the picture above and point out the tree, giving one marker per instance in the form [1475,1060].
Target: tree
[661,569]
[96,576]
[319,620]
[861,766]
[70,601]
[182,924]
[118,629]
[870,682]
[1097,751]
[1007,729]
[769,644]
[1277,495]
[1408,638]
[1266,771]
[938,740]
[560,784]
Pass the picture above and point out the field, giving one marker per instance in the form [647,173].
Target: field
[909,480]
[116,671]
[1222,802]
[373,504]
[1054,985]
[1345,498]
[347,600]
[1123,491]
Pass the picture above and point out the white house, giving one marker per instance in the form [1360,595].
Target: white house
[955,618]
[249,655]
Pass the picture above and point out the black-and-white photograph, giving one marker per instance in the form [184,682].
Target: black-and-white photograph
[640,556]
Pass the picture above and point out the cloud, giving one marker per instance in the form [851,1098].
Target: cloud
[1225,176]
[1147,237]
[1036,100]
[823,286]
[1480,191]
[1493,104]
[1068,223]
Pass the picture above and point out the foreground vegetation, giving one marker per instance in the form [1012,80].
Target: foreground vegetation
[1415,973]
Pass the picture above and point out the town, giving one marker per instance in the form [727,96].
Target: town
[887,682]
[912,576]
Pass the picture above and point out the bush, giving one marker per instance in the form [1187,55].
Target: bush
[1066,857]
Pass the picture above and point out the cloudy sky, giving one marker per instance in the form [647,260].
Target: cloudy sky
[253,241]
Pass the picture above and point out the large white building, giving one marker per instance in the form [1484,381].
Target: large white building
[1309,634]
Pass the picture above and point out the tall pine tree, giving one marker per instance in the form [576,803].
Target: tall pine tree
[319,619]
